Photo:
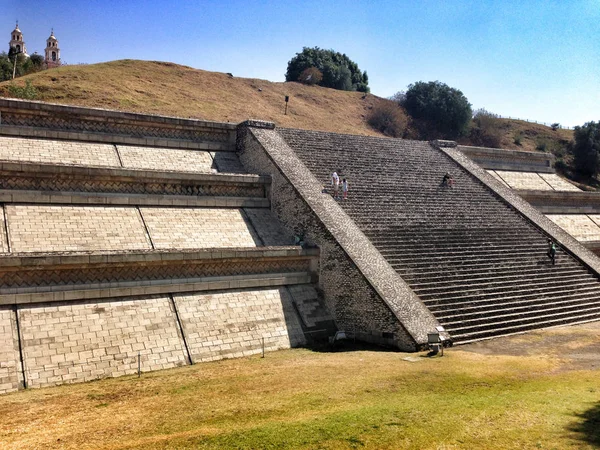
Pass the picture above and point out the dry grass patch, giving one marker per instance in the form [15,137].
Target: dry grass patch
[304,399]
[170,89]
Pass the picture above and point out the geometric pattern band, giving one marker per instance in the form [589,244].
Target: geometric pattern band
[137,130]
[66,183]
[136,272]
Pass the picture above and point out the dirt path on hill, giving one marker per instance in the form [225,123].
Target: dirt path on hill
[578,346]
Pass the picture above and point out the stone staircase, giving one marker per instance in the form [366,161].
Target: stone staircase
[478,265]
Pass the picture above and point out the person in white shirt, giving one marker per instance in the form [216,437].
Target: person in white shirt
[335,182]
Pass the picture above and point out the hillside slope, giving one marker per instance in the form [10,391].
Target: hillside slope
[171,89]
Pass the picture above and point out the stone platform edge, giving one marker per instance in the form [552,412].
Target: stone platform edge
[402,302]
[23,118]
[539,220]
[515,160]
[140,175]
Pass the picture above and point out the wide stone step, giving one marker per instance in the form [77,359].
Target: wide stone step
[442,283]
[545,304]
[441,277]
[437,307]
[472,296]
[492,284]
[464,335]
[566,297]
[509,315]
[462,260]
[457,253]
[478,268]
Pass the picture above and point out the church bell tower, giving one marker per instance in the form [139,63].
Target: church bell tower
[16,41]
[52,53]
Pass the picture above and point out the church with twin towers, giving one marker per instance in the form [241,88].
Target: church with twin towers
[51,53]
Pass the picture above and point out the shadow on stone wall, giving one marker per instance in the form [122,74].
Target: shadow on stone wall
[588,427]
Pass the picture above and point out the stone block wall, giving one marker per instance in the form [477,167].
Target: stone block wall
[81,341]
[198,228]
[58,152]
[230,324]
[165,159]
[50,228]
[10,367]
[352,300]
[47,228]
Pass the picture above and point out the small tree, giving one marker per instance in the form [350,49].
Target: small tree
[446,110]
[586,148]
[339,71]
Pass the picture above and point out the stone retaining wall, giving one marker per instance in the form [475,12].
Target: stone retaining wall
[22,118]
[495,158]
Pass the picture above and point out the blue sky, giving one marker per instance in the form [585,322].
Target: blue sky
[537,60]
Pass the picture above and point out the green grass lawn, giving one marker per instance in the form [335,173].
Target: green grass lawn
[304,399]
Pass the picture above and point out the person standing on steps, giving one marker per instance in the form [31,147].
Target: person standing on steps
[552,251]
[344,189]
[335,183]
[447,181]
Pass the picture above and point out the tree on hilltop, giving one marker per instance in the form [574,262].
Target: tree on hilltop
[338,71]
[586,148]
[445,110]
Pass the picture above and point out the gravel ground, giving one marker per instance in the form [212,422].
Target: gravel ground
[577,345]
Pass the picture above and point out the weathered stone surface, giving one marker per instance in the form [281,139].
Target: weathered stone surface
[81,341]
[267,226]
[58,152]
[231,324]
[9,352]
[558,183]
[165,159]
[524,180]
[497,177]
[580,226]
[198,228]
[49,228]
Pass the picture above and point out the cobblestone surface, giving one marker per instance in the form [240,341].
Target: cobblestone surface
[69,342]
[198,228]
[165,159]
[58,152]
[48,228]
[232,324]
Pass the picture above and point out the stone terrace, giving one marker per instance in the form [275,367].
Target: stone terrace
[133,241]
[477,264]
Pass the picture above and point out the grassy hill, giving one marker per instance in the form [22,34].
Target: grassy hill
[171,89]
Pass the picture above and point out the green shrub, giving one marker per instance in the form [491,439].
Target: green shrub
[586,148]
[518,138]
[446,110]
[28,92]
[389,119]
[339,71]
